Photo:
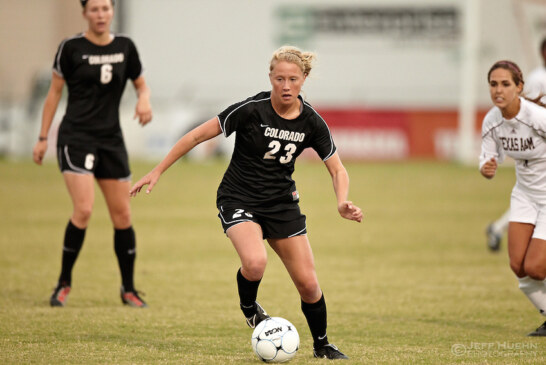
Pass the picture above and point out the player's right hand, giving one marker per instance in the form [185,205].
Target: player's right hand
[150,179]
[489,169]
[39,151]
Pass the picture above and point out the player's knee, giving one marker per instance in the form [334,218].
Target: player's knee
[122,219]
[308,289]
[535,270]
[517,268]
[82,215]
[254,268]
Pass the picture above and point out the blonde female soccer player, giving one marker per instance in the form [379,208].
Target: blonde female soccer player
[516,127]
[95,66]
[257,198]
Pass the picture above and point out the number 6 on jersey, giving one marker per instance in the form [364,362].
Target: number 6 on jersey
[106,73]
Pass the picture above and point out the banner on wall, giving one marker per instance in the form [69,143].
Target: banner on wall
[363,134]
[303,24]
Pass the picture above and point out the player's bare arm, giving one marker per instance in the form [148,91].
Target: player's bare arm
[50,107]
[340,179]
[143,110]
[202,133]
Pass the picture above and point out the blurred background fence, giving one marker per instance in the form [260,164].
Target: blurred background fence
[395,79]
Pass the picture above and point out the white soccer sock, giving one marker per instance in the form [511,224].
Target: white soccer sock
[501,225]
[535,291]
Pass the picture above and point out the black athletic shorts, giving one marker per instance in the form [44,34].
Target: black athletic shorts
[104,162]
[279,221]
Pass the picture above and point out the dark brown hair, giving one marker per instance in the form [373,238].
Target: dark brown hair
[510,66]
[84,2]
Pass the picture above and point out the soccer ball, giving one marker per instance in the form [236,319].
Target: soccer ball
[275,340]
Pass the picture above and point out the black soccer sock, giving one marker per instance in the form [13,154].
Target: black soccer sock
[248,292]
[125,247]
[73,241]
[315,314]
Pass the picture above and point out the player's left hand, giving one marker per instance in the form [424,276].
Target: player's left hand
[143,111]
[149,179]
[350,211]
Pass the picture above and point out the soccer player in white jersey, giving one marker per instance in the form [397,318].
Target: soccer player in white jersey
[516,127]
[257,198]
[95,66]
[534,87]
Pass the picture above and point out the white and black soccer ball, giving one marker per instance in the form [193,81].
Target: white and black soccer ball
[275,340]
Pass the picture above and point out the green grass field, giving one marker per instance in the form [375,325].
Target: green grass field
[413,283]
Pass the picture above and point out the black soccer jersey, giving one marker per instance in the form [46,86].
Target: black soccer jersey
[266,148]
[96,77]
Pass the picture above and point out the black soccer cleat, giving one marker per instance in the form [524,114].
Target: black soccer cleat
[60,295]
[254,314]
[132,299]
[539,332]
[493,238]
[329,351]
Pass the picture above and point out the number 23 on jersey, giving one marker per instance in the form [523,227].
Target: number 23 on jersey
[286,154]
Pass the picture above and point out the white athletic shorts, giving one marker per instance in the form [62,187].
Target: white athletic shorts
[524,209]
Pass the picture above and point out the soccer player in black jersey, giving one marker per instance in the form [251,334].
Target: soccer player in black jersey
[257,198]
[95,66]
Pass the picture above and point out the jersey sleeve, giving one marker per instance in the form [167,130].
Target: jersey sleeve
[322,141]
[490,146]
[535,115]
[230,119]
[62,65]
[134,67]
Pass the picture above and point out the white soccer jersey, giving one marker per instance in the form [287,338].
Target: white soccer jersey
[521,138]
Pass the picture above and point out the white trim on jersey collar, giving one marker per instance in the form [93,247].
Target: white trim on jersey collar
[223,128]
